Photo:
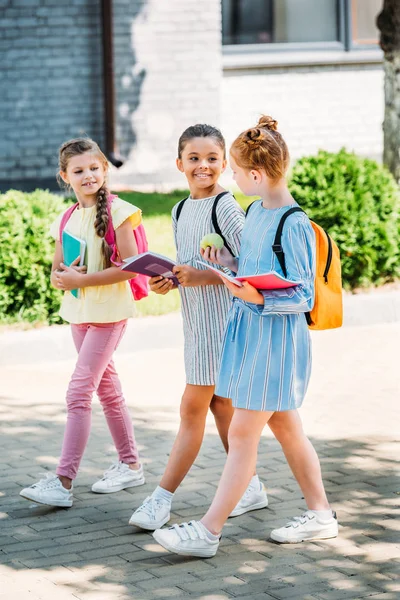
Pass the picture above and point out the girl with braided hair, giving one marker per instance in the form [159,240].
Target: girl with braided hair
[98,318]
[265,360]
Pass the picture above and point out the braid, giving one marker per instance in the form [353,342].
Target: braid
[101,223]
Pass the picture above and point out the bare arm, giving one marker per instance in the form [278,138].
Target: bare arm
[191,277]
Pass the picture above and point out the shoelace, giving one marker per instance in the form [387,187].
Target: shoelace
[301,520]
[189,531]
[150,505]
[49,481]
[113,471]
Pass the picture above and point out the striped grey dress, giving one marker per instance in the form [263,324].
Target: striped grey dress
[204,308]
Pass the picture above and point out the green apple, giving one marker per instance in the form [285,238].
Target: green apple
[212,239]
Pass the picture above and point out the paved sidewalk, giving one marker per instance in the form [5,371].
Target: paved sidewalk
[88,552]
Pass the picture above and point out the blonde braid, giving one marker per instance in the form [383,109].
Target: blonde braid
[101,223]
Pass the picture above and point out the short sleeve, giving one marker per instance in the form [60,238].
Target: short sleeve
[122,210]
[230,218]
[54,229]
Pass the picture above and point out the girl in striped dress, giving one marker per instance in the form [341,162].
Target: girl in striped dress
[266,354]
[205,305]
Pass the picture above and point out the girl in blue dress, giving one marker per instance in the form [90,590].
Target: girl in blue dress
[266,355]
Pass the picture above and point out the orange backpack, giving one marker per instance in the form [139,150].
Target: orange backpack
[327,312]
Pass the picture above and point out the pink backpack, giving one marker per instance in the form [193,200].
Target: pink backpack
[139,285]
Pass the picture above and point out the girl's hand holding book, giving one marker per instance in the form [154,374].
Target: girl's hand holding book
[70,278]
[246,292]
[161,285]
[220,257]
[187,275]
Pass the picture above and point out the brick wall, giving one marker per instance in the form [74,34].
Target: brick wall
[168,75]
[51,84]
[321,107]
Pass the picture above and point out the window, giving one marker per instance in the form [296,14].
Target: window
[343,24]
[364,13]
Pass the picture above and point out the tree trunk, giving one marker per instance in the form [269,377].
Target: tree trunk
[388,22]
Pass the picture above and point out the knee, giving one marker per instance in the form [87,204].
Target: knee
[221,407]
[192,412]
[285,435]
[240,437]
[79,395]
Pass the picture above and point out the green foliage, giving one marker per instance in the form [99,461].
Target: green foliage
[357,201]
[26,257]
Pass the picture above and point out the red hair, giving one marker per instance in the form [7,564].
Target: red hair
[262,148]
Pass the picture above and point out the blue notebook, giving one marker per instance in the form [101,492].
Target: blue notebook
[72,248]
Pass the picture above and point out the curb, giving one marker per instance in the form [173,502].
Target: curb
[52,344]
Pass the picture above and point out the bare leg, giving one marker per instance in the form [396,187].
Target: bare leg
[222,410]
[301,456]
[194,407]
[244,436]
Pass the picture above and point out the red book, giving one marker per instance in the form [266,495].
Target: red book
[263,281]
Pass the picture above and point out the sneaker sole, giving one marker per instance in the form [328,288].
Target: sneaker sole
[325,536]
[64,504]
[242,511]
[120,487]
[149,527]
[198,553]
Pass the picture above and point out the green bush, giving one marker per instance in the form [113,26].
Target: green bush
[26,256]
[357,201]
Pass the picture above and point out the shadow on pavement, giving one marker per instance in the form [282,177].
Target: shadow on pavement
[91,552]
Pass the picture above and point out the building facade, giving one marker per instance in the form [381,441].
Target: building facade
[133,74]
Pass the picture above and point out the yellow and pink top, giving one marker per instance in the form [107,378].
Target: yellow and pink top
[104,303]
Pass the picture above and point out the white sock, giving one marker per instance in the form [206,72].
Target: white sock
[162,494]
[208,533]
[323,515]
[255,483]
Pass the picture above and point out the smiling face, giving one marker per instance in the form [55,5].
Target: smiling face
[202,161]
[85,174]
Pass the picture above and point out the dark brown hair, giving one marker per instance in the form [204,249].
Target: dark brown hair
[76,147]
[262,147]
[201,130]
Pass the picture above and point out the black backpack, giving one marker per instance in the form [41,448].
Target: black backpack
[213,218]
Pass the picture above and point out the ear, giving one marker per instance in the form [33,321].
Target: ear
[64,177]
[224,165]
[179,164]
[255,176]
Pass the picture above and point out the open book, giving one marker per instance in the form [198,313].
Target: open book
[73,247]
[150,264]
[263,281]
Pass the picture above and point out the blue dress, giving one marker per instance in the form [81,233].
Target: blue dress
[266,354]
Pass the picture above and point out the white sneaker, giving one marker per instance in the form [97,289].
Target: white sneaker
[118,477]
[188,539]
[49,491]
[306,527]
[152,514]
[251,500]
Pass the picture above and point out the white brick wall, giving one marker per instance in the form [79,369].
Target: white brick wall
[325,107]
[170,80]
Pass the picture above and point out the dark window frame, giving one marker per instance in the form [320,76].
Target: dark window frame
[345,41]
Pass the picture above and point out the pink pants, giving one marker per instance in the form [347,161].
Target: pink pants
[95,371]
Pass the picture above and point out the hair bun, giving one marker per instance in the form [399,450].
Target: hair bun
[267,122]
[254,137]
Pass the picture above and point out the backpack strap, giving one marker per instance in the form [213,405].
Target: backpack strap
[65,218]
[180,206]
[213,217]
[277,246]
[215,221]
[248,208]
